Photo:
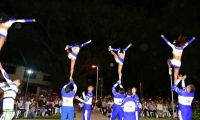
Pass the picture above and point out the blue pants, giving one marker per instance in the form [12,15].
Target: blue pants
[117,112]
[67,112]
[137,114]
[129,116]
[185,113]
[86,114]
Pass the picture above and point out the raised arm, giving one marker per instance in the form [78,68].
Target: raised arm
[83,93]
[22,20]
[63,92]
[175,87]
[183,82]
[127,47]
[190,41]
[84,44]
[163,37]
[113,88]
[75,87]
[8,80]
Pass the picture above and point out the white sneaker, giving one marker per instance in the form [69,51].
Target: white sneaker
[170,71]
[109,48]
[66,47]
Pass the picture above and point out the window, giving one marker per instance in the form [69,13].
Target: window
[32,75]
[46,78]
[9,69]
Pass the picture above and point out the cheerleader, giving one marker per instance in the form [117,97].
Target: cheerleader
[177,50]
[185,98]
[73,54]
[119,58]
[5,23]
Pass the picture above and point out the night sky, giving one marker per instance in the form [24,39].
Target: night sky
[40,46]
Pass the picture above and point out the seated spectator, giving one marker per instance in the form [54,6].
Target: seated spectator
[146,108]
[32,111]
[152,109]
[160,109]
[104,106]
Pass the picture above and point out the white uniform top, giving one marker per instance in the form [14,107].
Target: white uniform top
[9,92]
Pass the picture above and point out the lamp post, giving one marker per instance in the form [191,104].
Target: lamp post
[29,73]
[172,96]
[94,66]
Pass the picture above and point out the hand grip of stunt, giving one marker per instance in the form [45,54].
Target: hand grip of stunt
[66,47]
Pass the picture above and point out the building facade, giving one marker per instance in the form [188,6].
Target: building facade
[35,82]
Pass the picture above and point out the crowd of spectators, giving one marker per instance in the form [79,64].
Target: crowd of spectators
[31,106]
[157,107]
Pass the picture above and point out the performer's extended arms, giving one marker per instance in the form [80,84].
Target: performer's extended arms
[84,44]
[127,47]
[163,37]
[189,42]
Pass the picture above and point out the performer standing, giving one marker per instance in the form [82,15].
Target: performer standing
[73,54]
[87,108]
[185,97]
[119,58]
[67,109]
[178,47]
[118,97]
[128,106]
[5,23]
[137,100]
[9,95]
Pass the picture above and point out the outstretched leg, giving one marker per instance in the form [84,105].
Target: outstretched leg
[114,54]
[120,71]
[2,41]
[72,68]
[176,71]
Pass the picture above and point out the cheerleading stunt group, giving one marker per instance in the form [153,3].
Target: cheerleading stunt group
[126,104]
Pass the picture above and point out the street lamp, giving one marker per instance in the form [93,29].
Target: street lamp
[94,66]
[29,73]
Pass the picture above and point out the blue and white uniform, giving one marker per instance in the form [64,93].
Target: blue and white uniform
[177,51]
[128,108]
[137,110]
[184,102]
[87,108]
[75,49]
[8,98]
[119,60]
[117,110]
[4,32]
[67,108]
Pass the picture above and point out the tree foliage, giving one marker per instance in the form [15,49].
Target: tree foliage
[61,23]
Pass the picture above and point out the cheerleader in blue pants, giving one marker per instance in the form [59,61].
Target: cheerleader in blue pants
[5,23]
[137,102]
[67,109]
[73,54]
[128,106]
[185,98]
[177,51]
[118,97]
[119,58]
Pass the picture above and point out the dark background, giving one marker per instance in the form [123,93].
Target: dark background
[40,46]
